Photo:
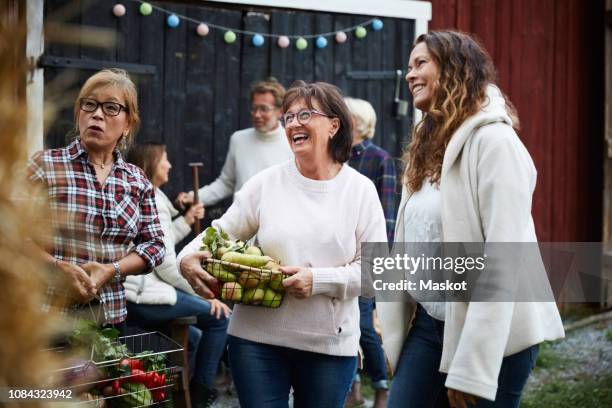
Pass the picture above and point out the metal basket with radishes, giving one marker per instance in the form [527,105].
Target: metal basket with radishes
[121,372]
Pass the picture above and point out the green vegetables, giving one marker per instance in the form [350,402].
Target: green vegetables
[136,395]
[249,276]
[126,378]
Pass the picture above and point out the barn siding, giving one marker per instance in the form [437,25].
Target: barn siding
[549,60]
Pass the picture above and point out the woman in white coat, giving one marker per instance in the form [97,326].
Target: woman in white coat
[468,179]
[164,295]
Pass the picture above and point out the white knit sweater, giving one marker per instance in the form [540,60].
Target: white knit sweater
[158,287]
[311,223]
[250,151]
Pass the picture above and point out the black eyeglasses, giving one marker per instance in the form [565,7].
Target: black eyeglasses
[109,108]
[303,116]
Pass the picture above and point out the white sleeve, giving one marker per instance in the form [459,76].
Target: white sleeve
[168,272]
[174,232]
[240,221]
[190,248]
[506,180]
[345,281]
[225,184]
[180,229]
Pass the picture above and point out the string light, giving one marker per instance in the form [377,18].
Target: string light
[119,10]
[146,8]
[257,39]
[173,21]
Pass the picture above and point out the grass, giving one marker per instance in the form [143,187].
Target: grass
[563,384]
[588,392]
[548,358]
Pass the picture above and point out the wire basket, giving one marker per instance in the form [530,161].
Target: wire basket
[247,285]
[93,384]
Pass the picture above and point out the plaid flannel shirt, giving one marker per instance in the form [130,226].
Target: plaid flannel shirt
[98,223]
[377,165]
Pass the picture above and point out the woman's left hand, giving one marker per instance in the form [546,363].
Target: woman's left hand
[99,273]
[460,399]
[195,212]
[217,308]
[300,283]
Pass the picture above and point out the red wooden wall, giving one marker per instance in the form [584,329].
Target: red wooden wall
[550,62]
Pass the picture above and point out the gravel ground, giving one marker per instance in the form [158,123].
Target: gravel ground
[584,353]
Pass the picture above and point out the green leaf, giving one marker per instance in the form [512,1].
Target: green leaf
[224,235]
[110,332]
[210,236]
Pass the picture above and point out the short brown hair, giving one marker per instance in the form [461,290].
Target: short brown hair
[269,85]
[331,100]
[120,79]
[147,157]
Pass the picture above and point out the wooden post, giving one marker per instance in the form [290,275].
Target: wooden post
[196,186]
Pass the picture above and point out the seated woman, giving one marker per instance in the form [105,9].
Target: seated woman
[163,294]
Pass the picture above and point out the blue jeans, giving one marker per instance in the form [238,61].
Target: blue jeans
[264,374]
[418,383]
[214,332]
[374,356]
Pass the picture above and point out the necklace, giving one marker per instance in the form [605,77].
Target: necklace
[100,164]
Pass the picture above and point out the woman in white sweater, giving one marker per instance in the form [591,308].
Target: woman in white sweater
[468,179]
[164,295]
[312,213]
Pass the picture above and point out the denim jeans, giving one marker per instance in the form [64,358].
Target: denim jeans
[418,383]
[374,356]
[214,332]
[264,374]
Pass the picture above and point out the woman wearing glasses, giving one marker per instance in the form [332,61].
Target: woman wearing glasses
[313,213]
[100,204]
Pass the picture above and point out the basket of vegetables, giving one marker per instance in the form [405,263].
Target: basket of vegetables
[130,371]
[249,277]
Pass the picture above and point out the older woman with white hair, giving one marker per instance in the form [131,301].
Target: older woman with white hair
[376,164]
[371,160]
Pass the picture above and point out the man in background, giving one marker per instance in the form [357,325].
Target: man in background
[253,149]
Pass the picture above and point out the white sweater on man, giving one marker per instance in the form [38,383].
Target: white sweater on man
[319,224]
[250,151]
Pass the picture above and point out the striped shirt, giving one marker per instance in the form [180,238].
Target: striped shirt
[98,223]
[377,165]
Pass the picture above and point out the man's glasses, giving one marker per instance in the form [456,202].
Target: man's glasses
[261,108]
[303,116]
[109,108]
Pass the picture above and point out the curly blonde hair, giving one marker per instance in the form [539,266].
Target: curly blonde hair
[465,71]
